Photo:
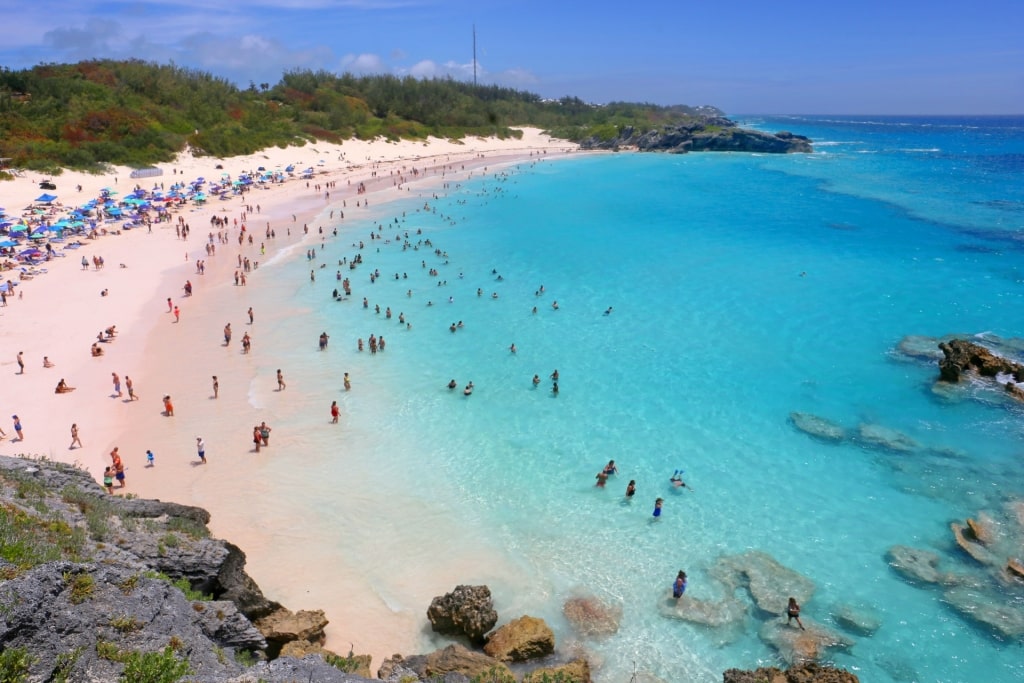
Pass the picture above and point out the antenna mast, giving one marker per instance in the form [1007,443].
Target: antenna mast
[474,55]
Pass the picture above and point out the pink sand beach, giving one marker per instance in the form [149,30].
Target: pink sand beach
[60,313]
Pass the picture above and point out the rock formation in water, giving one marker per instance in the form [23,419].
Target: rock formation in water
[702,134]
[802,673]
[960,356]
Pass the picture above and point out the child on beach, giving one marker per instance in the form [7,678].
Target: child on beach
[150,460]
[201,449]
[108,479]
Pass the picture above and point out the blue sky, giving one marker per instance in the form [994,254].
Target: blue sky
[783,57]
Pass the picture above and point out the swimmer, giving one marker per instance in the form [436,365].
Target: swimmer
[657,508]
[468,390]
[536,380]
[512,349]
[631,488]
[610,468]
[602,478]
[452,384]
[609,311]
[554,388]
[677,480]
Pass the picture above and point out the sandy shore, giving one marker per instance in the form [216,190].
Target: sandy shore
[58,315]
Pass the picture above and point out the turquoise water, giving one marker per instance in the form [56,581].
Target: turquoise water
[743,288]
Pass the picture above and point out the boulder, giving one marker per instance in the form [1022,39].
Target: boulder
[354,664]
[521,640]
[591,616]
[468,610]
[818,427]
[991,610]
[452,659]
[1015,568]
[809,672]
[960,356]
[770,583]
[970,546]
[797,645]
[284,626]
[856,620]
[576,671]
[223,623]
[886,438]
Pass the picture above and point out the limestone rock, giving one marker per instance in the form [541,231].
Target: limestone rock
[961,356]
[707,612]
[887,438]
[1015,568]
[919,566]
[520,640]
[922,348]
[576,671]
[800,673]
[223,623]
[981,529]
[591,616]
[796,645]
[468,610]
[770,583]
[971,547]
[989,609]
[284,626]
[856,620]
[818,427]
[452,659]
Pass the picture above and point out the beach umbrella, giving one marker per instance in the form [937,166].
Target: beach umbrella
[8,243]
[46,198]
[20,227]
[29,253]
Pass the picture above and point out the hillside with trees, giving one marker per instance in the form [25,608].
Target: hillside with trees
[135,113]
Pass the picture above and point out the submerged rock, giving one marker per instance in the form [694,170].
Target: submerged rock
[707,612]
[520,640]
[818,426]
[922,348]
[989,609]
[859,621]
[886,438]
[467,610]
[770,583]
[797,645]
[918,566]
[970,545]
[591,616]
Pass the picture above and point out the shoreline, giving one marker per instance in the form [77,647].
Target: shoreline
[178,359]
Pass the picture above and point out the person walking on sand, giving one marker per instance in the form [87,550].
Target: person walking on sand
[265,433]
[280,381]
[74,437]
[117,383]
[17,428]
[201,449]
[335,412]
[150,459]
[793,612]
[168,406]
[131,388]
[177,314]
[227,334]
[257,438]
[216,387]
[250,315]
[21,362]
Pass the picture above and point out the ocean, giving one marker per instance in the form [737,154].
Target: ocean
[702,301]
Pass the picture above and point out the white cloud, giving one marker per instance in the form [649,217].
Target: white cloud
[363,64]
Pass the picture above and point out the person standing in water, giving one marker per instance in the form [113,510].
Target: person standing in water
[657,508]
[793,612]
[679,586]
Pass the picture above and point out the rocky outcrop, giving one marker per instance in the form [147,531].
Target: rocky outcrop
[770,583]
[591,616]
[991,611]
[796,645]
[467,610]
[918,566]
[859,621]
[521,640]
[960,356]
[576,671]
[284,626]
[452,659]
[707,612]
[702,134]
[801,673]
[111,579]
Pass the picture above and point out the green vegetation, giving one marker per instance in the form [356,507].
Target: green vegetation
[93,113]
[96,508]
[154,667]
[14,665]
[181,584]
[193,530]
[109,651]
[245,658]
[65,665]
[27,540]
[125,624]
[82,587]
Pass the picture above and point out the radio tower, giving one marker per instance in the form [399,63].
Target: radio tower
[474,55]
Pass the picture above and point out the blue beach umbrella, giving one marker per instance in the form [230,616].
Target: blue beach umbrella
[8,243]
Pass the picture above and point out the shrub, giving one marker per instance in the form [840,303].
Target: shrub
[82,587]
[14,665]
[154,667]
[125,624]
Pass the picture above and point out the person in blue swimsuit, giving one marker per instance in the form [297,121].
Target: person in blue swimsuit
[657,508]
[679,586]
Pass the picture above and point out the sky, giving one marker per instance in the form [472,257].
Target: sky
[784,57]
